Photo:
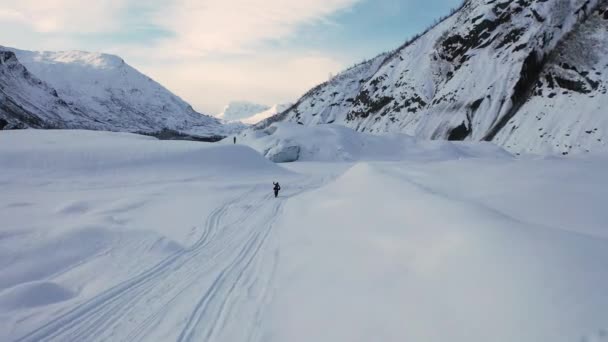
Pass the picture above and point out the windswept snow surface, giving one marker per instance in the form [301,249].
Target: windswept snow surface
[119,237]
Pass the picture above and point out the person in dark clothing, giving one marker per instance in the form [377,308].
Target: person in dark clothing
[276,189]
[235,140]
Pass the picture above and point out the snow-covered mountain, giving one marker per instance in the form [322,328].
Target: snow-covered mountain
[249,112]
[529,75]
[238,110]
[75,89]
[272,111]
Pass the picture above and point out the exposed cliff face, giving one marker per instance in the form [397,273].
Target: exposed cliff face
[77,89]
[475,75]
[566,110]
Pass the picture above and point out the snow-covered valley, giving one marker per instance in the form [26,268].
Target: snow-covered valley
[85,90]
[121,237]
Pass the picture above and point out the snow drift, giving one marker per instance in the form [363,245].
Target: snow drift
[288,142]
[67,153]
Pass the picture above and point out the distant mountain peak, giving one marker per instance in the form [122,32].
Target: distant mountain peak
[238,110]
[249,112]
[78,89]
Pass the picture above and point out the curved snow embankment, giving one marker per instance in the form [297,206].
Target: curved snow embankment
[87,153]
[378,256]
[287,142]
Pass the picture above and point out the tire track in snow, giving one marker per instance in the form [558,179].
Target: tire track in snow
[214,270]
[230,277]
[124,294]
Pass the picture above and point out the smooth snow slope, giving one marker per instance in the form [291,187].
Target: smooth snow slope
[461,250]
[119,237]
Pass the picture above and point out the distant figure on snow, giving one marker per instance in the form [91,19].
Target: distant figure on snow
[276,189]
[234,140]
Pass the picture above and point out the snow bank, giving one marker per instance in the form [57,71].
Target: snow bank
[87,153]
[288,142]
[380,255]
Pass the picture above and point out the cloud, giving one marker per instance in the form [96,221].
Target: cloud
[63,16]
[207,51]
[198,27]
[266,78]
[212,26]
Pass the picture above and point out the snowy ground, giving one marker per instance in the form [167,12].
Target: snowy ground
[118,237]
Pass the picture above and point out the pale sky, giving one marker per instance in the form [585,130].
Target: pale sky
[210,52]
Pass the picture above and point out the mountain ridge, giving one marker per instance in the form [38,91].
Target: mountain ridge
[468,78]
[77,89]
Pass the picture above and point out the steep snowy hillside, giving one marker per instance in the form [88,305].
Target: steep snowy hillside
[250,113]
[97,91]
[487,68]
[26,101]
[567,109]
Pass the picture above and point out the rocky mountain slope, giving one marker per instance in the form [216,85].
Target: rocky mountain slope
[529,75]
[77,89]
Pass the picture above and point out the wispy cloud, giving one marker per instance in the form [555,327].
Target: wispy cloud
[65,16]
[268,78]
[236,26]
[207,51]
[197,27]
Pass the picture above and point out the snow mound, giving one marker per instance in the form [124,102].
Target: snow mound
[62,152]
[34,294]
[287,142]
[385,253]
